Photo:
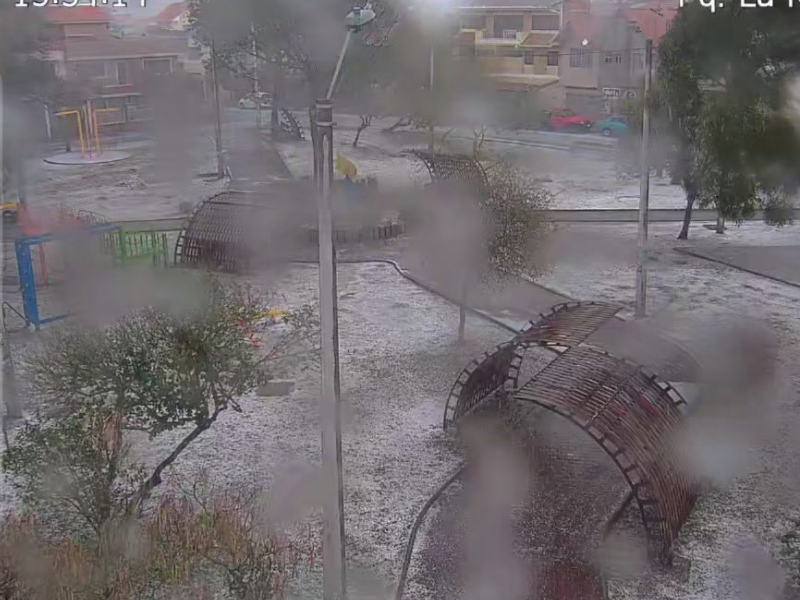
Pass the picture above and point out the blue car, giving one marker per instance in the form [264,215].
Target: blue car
[612,126]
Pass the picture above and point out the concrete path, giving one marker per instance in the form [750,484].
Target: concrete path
[779,263]
[255,166]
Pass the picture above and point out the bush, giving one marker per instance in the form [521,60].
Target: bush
[155,371]
[218,544]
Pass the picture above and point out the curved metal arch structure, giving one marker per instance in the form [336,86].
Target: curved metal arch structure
[232,236]
[291,125]
[627,410]
[565,325]
[455,168]
[630,414]
[214,236]
[482,379]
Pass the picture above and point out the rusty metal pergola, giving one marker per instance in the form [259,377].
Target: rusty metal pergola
[628,411]
[214,236]
[455,168]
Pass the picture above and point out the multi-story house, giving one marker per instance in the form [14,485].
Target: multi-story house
[111,70]
[515,42]
[173,22]
[602,61]
[174,17]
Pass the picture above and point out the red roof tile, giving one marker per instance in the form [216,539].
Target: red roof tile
[62,15]
[539,39]
[583,26]
[172,12]
[653,22]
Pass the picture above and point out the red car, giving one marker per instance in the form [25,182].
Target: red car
[563,119]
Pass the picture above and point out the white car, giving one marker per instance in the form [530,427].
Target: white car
[251,101]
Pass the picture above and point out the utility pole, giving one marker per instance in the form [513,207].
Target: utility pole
[333,549]
[256,87]
[644,188]
[9,388]
[217,117]
[333,553]
[431,128]
[2,171]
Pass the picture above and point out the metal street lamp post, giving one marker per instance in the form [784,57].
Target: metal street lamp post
[9,387]
[333,551]
[217,115]
[644,190]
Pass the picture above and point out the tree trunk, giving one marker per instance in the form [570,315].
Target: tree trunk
[276,99]
[10,398]
[720,224]
[154,480]
[401,122]
[687,217]
[358,135]
[462,311]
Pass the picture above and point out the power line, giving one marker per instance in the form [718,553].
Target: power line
[638,51]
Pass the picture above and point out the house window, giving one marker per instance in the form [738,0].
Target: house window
[477,22]
[546,23]
[529,57]
[502,23]
[122,73]
[95,69]
[552,59]
[157,66]
[580,57]
[613,58]
[509,34]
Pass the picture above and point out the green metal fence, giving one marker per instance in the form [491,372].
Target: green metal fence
[141,247]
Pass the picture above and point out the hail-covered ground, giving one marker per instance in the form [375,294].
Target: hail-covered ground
[578,169]
[748,445]
[151,183]
[399,358]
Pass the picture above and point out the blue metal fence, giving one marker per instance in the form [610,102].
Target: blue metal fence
[31,283]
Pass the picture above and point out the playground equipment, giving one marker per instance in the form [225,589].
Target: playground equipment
[140,247]
[79,122]
[10,211]
[290,125]
[628,411]
[98,123]
[227,235]
[448,167]
[89,126]
[57,244]
[41,306]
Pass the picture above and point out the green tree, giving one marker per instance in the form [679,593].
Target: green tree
[722,74]
[156,371]
[474,241]
[295,37]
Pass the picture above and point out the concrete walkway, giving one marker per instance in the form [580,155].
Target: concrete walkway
[779,263]
[516,302]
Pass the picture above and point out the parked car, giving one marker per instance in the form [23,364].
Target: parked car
[251,101]
[612,126]
[563,119]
